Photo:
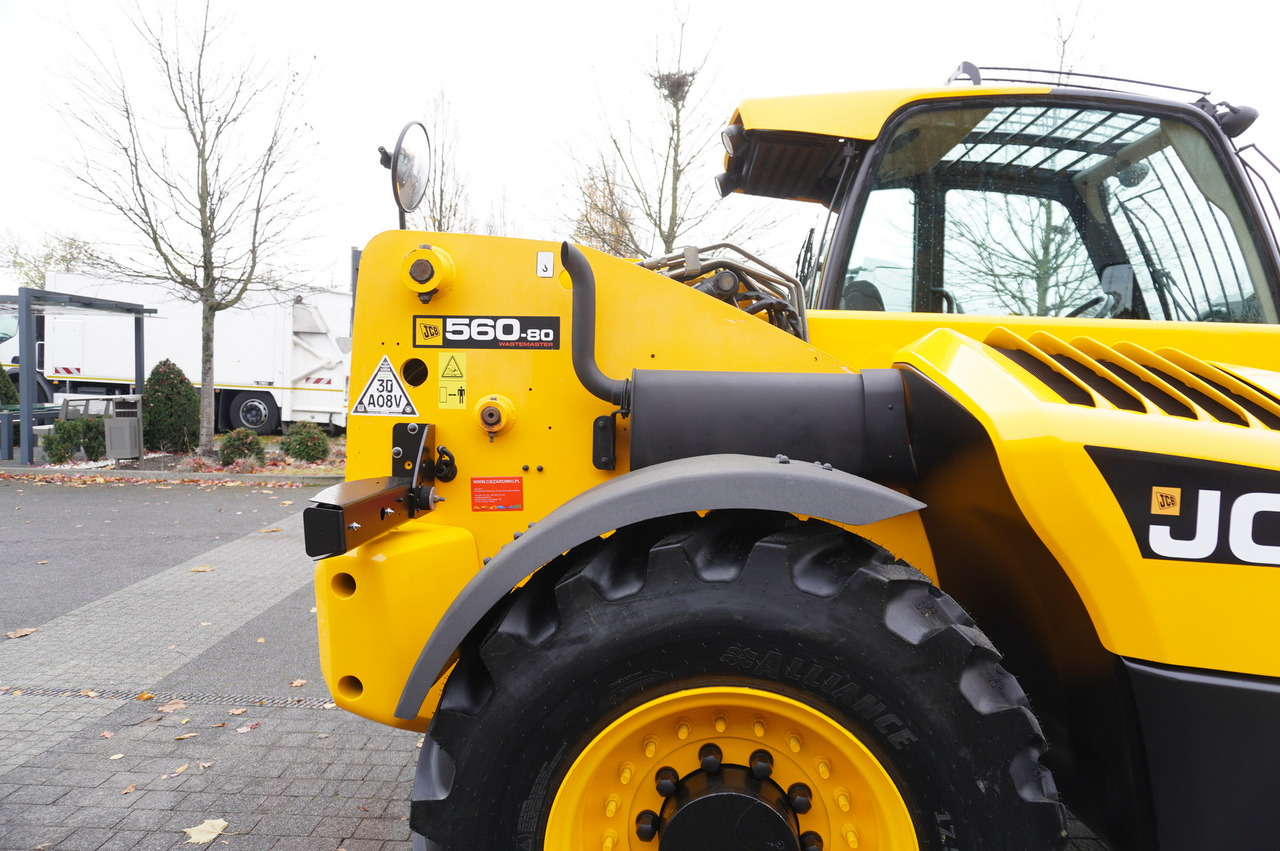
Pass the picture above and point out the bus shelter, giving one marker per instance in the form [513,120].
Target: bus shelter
[30,303]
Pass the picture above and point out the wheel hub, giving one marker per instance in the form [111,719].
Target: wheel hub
[729,809]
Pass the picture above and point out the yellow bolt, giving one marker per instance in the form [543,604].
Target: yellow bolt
[650,746]
[842,798]
[721,723]
[793,742]
[850,835]
[682,730]
[757,726]
[824,769]
[625,774]
[611,807]
[610,839]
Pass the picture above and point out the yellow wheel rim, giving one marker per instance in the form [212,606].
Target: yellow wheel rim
[855,804]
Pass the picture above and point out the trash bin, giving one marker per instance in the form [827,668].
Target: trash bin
[124,428]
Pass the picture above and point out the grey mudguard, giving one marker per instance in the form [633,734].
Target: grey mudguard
[690,484]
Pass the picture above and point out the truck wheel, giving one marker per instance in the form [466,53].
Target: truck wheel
[742,680]
[255,411]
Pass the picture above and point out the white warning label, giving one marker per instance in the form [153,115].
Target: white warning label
[384,395]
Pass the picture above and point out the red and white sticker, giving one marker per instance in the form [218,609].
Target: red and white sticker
[498,493]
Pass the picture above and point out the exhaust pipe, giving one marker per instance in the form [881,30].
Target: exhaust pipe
[616,391]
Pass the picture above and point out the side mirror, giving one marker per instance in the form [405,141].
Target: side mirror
[410,166]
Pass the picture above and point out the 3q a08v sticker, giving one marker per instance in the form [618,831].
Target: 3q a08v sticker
[487,332]
[384,395]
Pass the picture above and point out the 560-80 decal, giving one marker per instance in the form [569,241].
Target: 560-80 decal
[487,332]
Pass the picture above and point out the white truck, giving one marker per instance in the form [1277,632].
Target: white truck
[274,360]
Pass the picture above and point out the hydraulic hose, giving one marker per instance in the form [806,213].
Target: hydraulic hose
[612,390]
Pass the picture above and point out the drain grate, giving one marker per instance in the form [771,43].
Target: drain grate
[162,698]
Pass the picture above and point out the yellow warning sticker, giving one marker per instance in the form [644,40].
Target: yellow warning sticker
[1166,501]
[453,381]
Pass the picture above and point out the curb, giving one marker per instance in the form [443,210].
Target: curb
[169,475]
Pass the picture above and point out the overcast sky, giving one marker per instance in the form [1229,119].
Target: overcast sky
[532,83]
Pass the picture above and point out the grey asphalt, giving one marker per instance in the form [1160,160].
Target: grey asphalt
[198,594]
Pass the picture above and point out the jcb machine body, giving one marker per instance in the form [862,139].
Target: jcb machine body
[974,520]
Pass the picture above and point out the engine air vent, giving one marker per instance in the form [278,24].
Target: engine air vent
[1132,378]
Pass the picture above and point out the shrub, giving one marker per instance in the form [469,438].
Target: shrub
[70,436]
[93,438]
[306,442]
[170,410]
[241,443]
[8,393]
[61,444]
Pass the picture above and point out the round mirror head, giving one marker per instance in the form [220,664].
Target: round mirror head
[410,166]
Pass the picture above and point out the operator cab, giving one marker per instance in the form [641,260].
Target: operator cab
[1028,201]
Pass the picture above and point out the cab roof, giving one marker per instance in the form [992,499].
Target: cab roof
[851,115]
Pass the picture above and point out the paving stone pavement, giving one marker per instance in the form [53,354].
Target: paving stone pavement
[217,640]
[301,775]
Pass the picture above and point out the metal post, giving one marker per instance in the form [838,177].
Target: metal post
[26,373]
[138,360]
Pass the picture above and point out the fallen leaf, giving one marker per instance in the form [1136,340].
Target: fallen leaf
[262,640]
[297,683]
[21,633]
[286,502]
[206,623]
[105,734]
[88,692]
[204,568]
[204,765]
[172,706]
[186,720]
[146,695]
[253,725]
[46,561]
[322,735]
[116,756]
[313,610]
[272,529]
[132,787]
[206,831]
[236,711]
[363,808]
[171,646]
[185,736]
[176,771]
[420,741]
[223,724]
[17,692]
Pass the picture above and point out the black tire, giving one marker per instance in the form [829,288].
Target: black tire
[736,600]
[257,412]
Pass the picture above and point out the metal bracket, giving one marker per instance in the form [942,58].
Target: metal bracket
[604,440]
[413,456]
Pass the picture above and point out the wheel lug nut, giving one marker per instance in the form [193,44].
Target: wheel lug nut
[647,825]
[666,780]
[810,841]
[801,798]
[711,756]
[761,764]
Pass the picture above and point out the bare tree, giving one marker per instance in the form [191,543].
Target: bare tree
[637,195]
[54,254]
[1016,254]
[201,174]
[606,220]
[445,207]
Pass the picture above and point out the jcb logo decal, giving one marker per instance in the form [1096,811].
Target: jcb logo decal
[1205,540]
[1189,509]
[426,331]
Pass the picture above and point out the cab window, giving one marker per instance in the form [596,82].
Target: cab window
[1039,210]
